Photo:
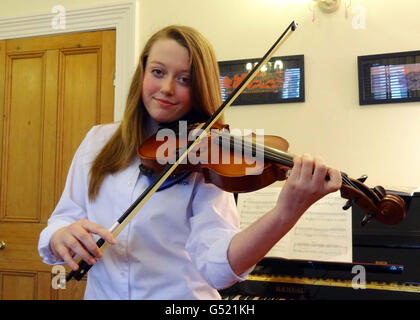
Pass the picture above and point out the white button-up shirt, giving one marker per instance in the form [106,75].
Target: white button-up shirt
[174,248]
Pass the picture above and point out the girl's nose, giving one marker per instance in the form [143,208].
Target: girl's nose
[168,86]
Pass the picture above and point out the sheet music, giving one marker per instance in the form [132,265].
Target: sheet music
[403,190]
[323,233]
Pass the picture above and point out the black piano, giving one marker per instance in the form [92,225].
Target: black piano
[386,265]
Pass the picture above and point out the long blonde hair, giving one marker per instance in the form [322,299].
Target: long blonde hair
[118,153]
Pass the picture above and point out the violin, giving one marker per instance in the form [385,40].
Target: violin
[236,164]
[386,208]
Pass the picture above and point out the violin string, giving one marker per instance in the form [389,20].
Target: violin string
[287,160]
[273,154]
[269,153]
[282,157]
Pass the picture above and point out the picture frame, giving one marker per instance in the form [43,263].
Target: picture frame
[389,78]
[281,80]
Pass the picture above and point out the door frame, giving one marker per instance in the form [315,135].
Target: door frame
[119,16]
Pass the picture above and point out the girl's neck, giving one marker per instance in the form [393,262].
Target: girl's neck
[150,127]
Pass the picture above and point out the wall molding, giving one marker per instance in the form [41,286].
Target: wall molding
[118,16]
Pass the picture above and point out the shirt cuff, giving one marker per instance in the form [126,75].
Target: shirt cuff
[44,242]
[219,266]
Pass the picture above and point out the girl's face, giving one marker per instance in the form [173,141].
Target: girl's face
[166,83]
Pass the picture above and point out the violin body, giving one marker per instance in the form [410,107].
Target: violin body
[238,171]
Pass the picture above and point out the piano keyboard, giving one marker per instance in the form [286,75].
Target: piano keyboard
[281,287]
[411,287]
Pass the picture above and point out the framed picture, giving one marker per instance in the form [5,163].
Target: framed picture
[280,80]
[389,78]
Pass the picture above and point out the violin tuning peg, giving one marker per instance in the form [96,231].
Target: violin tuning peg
[363,178]
[380,191]
[367,218]
[348,204]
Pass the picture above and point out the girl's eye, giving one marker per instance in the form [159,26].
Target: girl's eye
[157,72]
[184,80]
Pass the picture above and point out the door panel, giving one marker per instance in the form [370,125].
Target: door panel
[18,286]
[22,136]
[79,106]
[52,91]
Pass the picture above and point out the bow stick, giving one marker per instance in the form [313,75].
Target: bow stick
[169,168]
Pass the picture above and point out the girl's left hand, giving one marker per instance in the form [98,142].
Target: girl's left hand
[306,184]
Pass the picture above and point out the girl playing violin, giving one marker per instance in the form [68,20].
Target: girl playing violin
[185,243]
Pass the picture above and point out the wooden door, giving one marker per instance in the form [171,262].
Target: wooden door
[53,89]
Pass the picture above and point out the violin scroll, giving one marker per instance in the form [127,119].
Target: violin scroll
[376,203]
[392,209]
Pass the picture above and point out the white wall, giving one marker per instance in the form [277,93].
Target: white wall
[382,141]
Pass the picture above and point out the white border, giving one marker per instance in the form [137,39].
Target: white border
[118,16]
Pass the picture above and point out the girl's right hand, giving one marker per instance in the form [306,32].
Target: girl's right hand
[77,239]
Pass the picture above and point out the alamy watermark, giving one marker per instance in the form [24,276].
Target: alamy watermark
[59,20]
[359,20]
[59,280]
[359,280]
[216,147]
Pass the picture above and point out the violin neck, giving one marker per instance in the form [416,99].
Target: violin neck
[278,156]
[256,149]
[271,154]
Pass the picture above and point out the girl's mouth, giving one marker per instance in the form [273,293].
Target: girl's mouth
[164,103]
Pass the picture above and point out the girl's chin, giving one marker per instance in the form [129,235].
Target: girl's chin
[164,118]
